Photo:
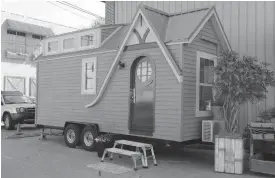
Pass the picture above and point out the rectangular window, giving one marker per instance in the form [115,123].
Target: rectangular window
[21,34]
[37,37]
[11,32]
[68,43]
[88,76]
[205,78]
[52,46]
[87,40]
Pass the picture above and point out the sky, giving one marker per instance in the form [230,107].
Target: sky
[49,11]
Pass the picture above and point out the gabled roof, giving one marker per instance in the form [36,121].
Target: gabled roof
[184,27]
[159,21]
[178,28]
[28,28]
[115,39]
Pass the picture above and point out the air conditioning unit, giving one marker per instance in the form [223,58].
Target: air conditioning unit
[210,128]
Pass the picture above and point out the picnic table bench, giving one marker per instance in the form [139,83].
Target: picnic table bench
[135,155]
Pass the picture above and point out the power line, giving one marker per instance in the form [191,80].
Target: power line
[79,9]
[23,16]
[68,10]
[82,10]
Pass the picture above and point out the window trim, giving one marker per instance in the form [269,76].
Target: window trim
[83,76]
[208,56]
[87,33]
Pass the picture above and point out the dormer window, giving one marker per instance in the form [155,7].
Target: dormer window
[87,40]
[68,43]
[52,46]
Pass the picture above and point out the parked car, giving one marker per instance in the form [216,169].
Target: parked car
[16,108]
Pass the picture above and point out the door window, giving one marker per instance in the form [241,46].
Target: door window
[144,71]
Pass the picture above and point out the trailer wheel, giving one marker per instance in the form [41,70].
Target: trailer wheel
[72,135]
[87,137]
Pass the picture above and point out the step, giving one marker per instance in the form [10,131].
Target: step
[123,152]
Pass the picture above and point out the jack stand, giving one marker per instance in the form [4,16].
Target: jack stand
[43,135]
[18,130]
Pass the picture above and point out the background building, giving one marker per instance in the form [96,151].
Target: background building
[20,36]
[249,26]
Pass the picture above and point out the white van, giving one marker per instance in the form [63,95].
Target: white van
[16,108]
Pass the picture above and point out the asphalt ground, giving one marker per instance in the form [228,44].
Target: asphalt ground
[29,157]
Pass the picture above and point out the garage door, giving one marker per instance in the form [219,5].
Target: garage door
[15,84]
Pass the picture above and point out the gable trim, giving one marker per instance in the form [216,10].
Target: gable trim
[116,60]
[211,13]
[165,51]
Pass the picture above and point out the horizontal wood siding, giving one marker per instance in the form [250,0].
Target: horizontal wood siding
[191,124]
[60,98]
[175,51]
[249,26]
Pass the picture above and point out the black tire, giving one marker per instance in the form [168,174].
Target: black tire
[70,140]
[8,122]
[89,145]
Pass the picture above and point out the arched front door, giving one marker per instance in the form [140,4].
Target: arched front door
[142,96]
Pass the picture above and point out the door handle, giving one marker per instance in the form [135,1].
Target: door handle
[133,95]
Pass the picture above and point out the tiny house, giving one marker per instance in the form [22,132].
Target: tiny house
[150,78]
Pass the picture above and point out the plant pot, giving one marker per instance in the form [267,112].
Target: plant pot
[217,112]
[100,147]
[229,154]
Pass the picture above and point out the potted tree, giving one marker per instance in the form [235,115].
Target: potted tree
[217,109]
[238,81]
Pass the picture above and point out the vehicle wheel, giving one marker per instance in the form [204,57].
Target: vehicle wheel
[8,123]
[72,135]
[87,137]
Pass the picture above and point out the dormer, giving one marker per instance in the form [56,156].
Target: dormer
[78,40]
[73,41]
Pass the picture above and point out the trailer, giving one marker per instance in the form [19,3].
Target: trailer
[151,78]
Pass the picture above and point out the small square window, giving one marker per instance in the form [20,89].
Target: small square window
[87,40]
[68,43]
[11,32]
[21,34]
[52,46]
